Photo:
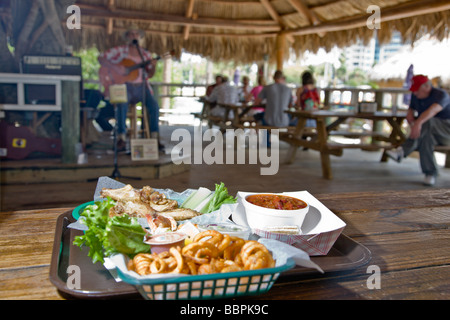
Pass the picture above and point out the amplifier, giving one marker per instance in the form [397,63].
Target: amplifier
[57,65]
[63,65]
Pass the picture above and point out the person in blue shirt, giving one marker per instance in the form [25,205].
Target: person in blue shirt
[429,119]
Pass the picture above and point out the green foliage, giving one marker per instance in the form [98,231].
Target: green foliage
[89,66]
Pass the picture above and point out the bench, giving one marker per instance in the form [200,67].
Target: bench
[445,150]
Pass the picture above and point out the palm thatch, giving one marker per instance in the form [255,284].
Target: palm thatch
[394,68]
[248,30]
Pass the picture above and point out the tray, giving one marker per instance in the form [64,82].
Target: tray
[96,282]
[206,286]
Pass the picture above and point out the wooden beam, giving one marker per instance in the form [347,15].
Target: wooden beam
[111,7]
[191,34]
[280,50]
[189,12]
[272,12]
[265,28]
[102,12]
[276,17]
[110,27]
[302,8]
[396,13]
[111,4]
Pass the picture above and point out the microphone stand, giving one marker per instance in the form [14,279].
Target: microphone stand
[116,173]
[143,77]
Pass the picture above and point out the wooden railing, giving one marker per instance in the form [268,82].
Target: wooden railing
[345,97]
[386,98]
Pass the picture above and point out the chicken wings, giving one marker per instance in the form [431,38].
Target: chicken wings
[147,203]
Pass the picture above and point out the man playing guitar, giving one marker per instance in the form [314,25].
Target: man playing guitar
[124,64]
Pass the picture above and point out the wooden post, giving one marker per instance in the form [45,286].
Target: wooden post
[326,101]
[266,68]
[70,120]
[280,50]
[378,125]
[167,78]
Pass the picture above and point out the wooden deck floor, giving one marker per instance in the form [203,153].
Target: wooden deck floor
[355,171]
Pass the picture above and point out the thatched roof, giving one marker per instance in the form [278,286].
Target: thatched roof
[247,30]
[428,56]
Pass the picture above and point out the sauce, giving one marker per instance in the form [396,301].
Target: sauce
[164,241]
[274,201]
[165,238]
[230,229]
[222,227]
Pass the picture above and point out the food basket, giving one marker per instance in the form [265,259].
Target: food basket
[206,286]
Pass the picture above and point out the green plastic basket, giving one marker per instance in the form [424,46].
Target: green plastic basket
[208,286]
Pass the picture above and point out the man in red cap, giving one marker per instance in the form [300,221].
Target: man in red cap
[429,119]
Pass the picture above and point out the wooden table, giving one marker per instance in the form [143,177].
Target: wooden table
[407,233]
[320,141]
[233,117]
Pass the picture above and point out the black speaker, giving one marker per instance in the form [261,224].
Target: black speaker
[56,65]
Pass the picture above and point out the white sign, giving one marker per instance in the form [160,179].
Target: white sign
[144,149]
[118,93]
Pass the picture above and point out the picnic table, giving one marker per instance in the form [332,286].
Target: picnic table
[324,129]
[404,235]
[234,115]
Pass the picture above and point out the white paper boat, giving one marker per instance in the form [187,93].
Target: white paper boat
[319,230]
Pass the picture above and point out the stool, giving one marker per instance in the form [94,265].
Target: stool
[88,133]
[134,131]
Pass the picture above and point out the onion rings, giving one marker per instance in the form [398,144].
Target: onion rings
[210,252]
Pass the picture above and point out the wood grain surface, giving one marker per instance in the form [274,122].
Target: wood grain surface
[407,235]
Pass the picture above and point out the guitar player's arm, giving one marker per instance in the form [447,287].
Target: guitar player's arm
[151,68]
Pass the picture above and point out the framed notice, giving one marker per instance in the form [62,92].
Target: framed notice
[118,93]
[144,149]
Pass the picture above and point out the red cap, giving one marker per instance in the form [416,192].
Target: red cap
[417,81]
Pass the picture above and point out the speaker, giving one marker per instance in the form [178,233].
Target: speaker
[56,65]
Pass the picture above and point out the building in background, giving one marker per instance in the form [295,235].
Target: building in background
[364,57]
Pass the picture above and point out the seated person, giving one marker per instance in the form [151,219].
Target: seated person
[138,89]
[257,89]
[307,96]
[210,88]
[223,94]
[244,91]
[278,100]
[429,119]
[253,95]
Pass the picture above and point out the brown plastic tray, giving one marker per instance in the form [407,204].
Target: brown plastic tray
[96,282]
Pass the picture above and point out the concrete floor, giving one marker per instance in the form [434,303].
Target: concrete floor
[355,171]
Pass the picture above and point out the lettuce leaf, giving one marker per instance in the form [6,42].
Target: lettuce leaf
[219,198]
[106,236]
[124,235]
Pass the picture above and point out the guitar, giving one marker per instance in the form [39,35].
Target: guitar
[109,76]
[19,142]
